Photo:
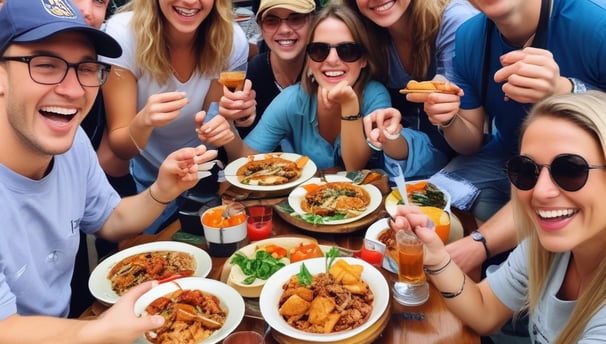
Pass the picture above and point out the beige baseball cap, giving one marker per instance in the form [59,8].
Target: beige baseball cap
[299,6]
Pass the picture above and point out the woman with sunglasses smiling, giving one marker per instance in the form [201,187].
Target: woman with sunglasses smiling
[322,116]
[557,272]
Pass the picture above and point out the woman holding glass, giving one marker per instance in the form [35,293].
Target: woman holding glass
[557,272]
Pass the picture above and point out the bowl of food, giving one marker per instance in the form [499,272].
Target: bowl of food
[118,273]
[298,309]
[420,193]
[248,269]
[224,229]
[196,311]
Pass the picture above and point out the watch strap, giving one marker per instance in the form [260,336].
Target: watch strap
[477,236]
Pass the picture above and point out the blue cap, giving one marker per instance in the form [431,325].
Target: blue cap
[26,21]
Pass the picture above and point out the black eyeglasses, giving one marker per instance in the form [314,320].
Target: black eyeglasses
[348,51]
[294,20]
[52,70]
[568,171]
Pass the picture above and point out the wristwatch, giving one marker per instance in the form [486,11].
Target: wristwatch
[577,86]
[477,236]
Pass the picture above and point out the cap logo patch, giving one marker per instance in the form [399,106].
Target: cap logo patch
[59,8]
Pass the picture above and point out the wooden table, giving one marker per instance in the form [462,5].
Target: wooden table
[431,322]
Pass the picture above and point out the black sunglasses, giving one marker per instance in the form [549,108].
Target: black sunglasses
[568,171]
[348,51]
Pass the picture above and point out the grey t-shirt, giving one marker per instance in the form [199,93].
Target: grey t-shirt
[510,285]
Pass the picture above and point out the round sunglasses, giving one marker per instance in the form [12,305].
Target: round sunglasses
[347,51]
[568,171]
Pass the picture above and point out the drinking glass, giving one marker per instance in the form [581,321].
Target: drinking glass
[259,222]
[244,337]
[411,289]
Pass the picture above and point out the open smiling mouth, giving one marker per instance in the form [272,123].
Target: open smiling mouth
[58,114]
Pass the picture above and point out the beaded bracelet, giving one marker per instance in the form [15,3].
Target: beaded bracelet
[155,199]
[438,270]
[449,295]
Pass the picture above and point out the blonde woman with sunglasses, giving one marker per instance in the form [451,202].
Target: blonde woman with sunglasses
[322,116]
[557,272]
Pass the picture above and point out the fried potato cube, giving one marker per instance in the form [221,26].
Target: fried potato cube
[331,321]
[320,308]
[305,293]
[294,306]
[358,288]
[346,273]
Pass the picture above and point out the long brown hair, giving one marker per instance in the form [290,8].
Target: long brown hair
[426,17]
[353,23]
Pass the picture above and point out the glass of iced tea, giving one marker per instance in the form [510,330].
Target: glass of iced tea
[411,288]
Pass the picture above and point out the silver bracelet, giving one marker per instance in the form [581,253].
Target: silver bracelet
[449,295]
[438,270]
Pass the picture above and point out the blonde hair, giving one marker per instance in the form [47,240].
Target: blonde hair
[586,111]
[426,18]
[213,42]
[353,23]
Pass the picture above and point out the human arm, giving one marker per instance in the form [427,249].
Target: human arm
[178,173]
[129,130]
[474,303]
[117,325]
[354,150]
[500,234]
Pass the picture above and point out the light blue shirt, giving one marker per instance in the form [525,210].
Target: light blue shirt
[293,115]
[40,221]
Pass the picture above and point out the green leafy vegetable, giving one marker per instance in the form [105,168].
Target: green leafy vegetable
[262,266]
[304,276]
[331,255]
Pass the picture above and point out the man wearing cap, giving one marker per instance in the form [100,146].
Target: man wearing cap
[285,26]
[51,184]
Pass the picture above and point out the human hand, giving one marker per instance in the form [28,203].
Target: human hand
[439,107]
[119,324]
[411,217]
[382,125]
[216,132]
[162,108]
[467,254]
[239,106]
[179,171]
[529,75]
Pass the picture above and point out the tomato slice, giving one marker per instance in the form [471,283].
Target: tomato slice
[275,250]
[305,251]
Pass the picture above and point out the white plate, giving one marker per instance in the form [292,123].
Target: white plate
[297,195]
[272,291]
[229,299]
[101,287]
[391,201]
[373,233]
[231,172]
[235,276]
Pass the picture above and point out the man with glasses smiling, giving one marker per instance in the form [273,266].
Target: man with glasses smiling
[51,184]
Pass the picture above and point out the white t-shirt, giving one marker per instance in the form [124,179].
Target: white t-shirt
[181,131]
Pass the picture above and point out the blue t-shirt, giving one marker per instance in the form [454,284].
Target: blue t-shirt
[576,36]
[40,221]
[292,115]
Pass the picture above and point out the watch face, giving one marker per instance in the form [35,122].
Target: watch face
[476,236]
